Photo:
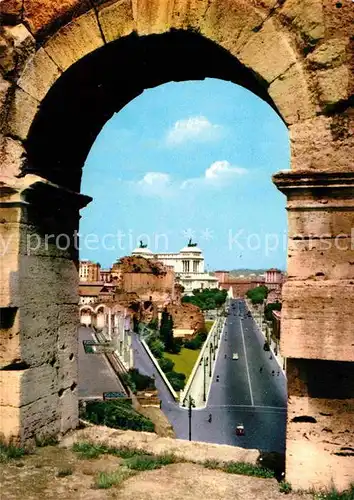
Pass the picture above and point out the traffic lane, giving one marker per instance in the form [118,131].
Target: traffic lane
[268,389]
[264,428]
[233,386]
[95,373]
[144,364]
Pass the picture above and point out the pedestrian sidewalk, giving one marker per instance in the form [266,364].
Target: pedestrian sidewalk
[273,346]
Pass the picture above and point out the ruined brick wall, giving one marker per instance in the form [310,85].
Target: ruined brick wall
[187,316]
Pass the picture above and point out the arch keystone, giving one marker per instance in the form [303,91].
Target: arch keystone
[231,23]
[75,40]
[116,19]
[152,16]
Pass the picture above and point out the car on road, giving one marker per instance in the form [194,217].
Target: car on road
[240,430]
[235,355]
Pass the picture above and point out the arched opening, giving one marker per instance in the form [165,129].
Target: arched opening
[87,94]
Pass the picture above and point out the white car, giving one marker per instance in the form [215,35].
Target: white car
[235,355]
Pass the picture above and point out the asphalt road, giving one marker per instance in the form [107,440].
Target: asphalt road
[242,395]
[96,375]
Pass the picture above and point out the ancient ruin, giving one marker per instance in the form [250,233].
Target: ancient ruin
[66,67]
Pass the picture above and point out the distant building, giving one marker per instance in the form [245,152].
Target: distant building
[106,275]
[188,265]
[89,271]
[273,279]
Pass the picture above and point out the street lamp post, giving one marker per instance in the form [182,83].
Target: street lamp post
[204,384]
[191,404]
[210,357]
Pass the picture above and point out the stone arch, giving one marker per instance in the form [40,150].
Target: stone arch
[297,59]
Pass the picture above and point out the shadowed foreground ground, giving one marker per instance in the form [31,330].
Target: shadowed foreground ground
[58,472]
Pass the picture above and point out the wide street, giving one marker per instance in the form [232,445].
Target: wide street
[242,395]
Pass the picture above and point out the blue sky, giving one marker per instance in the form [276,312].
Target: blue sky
[189,159]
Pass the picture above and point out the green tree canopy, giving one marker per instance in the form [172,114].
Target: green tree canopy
[258,295]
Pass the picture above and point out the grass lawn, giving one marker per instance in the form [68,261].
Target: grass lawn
[184,361]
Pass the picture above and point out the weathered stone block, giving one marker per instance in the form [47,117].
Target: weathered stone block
[9,249]
[292,95]
[330,470]
[11,10]
[42,281]
[152,16]
[330,53]
[10,348]
[268,52]
[328,223]
[22,387]
[74,41]
[4,96]
[335,85]
[41,418]
[189,14]
[307,16]
[12,157]
[39,75]
[321,259]
[22,111]
[311,325]
[323,143]
[231,23]
[68,408]
[10,423]
[327,436]
[116,20]
[41,14]
[21,46]
[339,19]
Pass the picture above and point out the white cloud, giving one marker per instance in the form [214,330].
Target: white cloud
[219,174]
[195,128]
[155,184]
[222,170]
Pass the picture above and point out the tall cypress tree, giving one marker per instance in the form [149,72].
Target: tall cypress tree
[166,330]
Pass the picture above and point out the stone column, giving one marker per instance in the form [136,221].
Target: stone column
[317,328]
[39,309]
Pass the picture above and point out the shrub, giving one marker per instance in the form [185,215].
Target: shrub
[146,462]
[87,450]
[141,382]
[166,364]
[10,451]
[153,324]
[176,346]
[285,487]
[105,480]
[177,380]
[247,469]
[197,342]
[333,494]
[156,347]
[118,415]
